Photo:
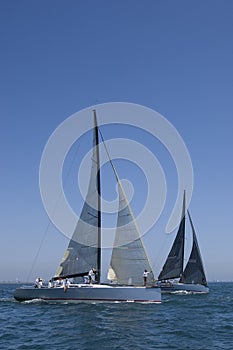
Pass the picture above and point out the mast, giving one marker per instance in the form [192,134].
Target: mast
[183,230]
[99,198]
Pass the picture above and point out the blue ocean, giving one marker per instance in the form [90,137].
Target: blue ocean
[179,322]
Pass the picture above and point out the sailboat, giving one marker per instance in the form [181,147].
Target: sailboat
[191,278]
[128,260]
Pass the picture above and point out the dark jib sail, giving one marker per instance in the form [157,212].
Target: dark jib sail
[194,270]
[83,252]
[173,266]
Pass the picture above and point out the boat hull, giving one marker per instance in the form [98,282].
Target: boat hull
[170,287]
[90,293]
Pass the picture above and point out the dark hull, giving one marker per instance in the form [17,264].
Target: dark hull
[170,287]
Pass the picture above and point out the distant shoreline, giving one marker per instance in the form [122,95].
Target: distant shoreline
[15,282]
[24,282]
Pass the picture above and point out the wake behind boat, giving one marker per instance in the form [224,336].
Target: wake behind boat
[191,279]
[128,261]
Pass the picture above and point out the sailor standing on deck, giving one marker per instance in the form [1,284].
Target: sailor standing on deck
[66,284]
[145,274]
[38,283]
[91,275]
[50,284]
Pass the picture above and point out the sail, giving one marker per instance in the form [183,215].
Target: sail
[173,266]
[129,259]
[194,270]
[83,252]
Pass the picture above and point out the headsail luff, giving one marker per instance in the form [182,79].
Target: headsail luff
[173,267]
[194,270]
[83,252]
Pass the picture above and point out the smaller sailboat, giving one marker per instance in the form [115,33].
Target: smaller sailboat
[129,258]
[174,277]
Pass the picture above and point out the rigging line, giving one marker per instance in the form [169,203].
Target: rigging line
[38,252]
[109,158]
[120,184]
[50,222]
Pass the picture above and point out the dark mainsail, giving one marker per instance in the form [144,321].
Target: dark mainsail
[83,252]
[173,266]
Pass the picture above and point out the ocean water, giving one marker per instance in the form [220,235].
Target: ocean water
[179,322]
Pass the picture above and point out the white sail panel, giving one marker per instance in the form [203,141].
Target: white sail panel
[129,259]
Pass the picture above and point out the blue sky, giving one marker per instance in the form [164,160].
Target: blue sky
[58,57]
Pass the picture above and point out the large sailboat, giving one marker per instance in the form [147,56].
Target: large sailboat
[128,260]
[174,277]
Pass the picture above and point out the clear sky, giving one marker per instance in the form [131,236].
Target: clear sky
[58,57]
